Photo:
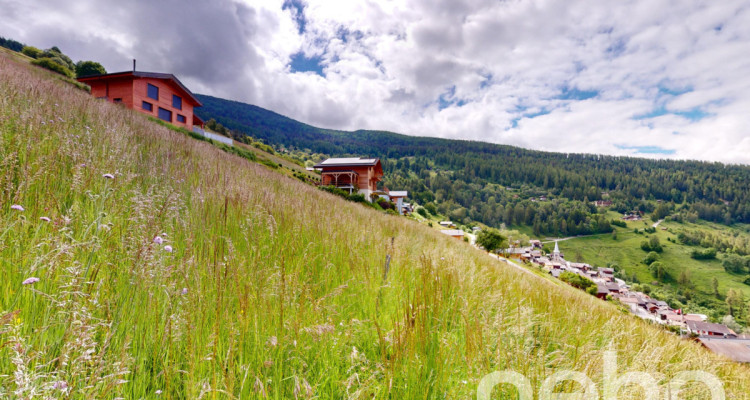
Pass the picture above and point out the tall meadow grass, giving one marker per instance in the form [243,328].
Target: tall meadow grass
[269,288]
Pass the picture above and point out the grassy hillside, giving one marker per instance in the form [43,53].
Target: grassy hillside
[676,257]
[269,289]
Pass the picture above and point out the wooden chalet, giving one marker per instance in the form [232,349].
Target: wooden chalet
[356,175]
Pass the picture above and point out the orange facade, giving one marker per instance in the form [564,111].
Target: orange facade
[364,177]
[159,95]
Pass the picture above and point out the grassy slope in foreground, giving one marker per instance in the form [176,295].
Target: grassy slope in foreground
[284,283]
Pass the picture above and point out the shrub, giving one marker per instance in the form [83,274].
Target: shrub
[275,166]
[421,211]
[705,254]
[651,257]
[618,222]
[652,244]
[357,198]
[657,270]
[51,65]
[431,208]
[577,281]
[31,51]
[735,264]
[88,68]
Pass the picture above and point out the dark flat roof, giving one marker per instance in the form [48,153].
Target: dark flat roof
[348,162]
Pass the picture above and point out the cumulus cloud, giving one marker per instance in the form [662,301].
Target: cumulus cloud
[637,77]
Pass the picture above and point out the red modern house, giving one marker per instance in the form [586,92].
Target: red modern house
[156,94]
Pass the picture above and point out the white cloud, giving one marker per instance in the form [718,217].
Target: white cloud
[500,67]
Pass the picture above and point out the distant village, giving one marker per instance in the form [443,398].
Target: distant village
[716,337]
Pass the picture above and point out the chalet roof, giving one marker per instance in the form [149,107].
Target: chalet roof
[698,326]
[452,232]
[348,162]
[601,288]
[400,193]
[613,286]
[736,349]
[142,74]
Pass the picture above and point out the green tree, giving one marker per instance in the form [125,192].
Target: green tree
[684,279]
[88,68]
[657,270]
[491,240]
[431,208]
[651,257]
[735,264]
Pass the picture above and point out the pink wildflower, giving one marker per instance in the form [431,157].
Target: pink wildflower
[61,385]
[109,176]
[184,291]
[45,219]
[158,240]
[16,207]
[30,281]
[168,248]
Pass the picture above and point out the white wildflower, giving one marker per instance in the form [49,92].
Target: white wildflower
[168,248]
[109,176]
[16,207]
[45,219]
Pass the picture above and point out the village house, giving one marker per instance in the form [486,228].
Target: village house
[602,203]
[156,94]
[355,175]
[455,233]
[710,329]
[398,198]
[736,349]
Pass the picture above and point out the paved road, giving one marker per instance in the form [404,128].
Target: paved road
[553,240]
[511,263]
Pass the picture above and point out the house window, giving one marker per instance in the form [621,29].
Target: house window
[180,118]
[117,100]
[177,102]
[147,106]
[165,114]
[153,92]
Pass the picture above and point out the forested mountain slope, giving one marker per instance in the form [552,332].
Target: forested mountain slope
[711,191]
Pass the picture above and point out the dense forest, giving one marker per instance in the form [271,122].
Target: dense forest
[495,184]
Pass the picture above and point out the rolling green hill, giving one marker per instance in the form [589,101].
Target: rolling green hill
[168,268]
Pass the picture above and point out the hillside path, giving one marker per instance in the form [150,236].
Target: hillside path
[657,223]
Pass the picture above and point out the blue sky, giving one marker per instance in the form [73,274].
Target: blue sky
[667,79]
